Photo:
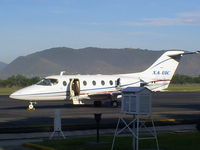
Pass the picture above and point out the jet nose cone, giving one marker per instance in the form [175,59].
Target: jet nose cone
[18,94]
[14,95]
[24,93]
[11,96]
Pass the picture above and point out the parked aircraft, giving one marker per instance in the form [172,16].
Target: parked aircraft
[78,88]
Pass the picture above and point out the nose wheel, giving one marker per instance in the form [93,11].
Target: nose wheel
[31,106]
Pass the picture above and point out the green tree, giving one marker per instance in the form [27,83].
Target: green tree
[18,80]
[182,79]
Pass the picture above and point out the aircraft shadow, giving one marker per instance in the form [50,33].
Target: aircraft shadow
[42,106]
[182,106]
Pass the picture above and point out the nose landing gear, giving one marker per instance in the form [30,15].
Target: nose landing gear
[31,106]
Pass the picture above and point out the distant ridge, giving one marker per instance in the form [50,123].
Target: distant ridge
[92,60]
[2,65]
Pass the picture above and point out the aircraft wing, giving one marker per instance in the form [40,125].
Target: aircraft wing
[104,95]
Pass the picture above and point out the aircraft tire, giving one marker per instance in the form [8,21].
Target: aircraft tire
[97,103]
[31,106]
[114,103]
[198,125]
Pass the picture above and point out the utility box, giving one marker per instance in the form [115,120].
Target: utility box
[136,100]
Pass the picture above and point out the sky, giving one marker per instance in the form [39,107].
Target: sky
[28,26]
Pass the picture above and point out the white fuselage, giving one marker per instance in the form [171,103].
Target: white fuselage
[61,87]
[89,85]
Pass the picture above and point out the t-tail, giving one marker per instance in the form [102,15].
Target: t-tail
[158,76]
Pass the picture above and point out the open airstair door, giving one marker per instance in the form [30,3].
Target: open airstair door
[74,87]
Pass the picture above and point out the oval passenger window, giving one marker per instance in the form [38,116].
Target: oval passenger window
[84,83]
[64,83]
[102,82]
[94,82]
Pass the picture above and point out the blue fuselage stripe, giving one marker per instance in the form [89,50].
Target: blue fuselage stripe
[160,63]
[86,90]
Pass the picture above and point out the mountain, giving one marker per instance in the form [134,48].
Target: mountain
[2,65]
[92,60]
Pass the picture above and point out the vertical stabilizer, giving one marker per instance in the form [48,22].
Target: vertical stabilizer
[160,73]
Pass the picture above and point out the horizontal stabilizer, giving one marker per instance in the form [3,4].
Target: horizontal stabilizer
[197,52]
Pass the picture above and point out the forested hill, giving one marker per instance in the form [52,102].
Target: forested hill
[92,61]
[2,65]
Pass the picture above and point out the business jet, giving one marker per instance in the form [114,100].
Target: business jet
[78,88]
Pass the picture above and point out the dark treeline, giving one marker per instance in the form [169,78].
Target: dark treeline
[22,81]
[183,79]
[18,80]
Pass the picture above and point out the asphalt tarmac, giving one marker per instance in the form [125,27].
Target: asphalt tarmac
[166,105]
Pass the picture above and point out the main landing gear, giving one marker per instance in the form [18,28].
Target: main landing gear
[114,100]
[31,106]
[114,103]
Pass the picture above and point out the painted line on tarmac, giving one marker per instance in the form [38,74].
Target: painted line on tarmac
[166,120]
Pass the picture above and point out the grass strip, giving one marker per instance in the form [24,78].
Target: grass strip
[184,87]
[8,90]
[36,146]
[172,141]
[172,87]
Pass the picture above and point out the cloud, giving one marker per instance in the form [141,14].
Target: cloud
[190,18]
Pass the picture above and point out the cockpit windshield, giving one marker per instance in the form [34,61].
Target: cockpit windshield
[48,82]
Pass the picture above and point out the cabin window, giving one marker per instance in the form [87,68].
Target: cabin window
[64,83]
[94,83]
[84,83]
[111,82]
[48,82]
[102,82]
